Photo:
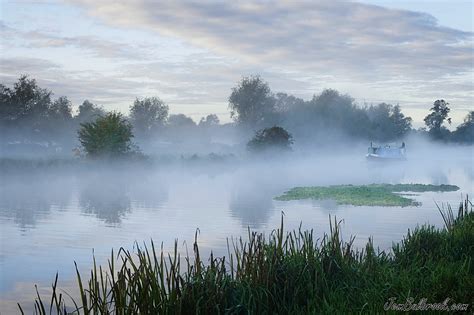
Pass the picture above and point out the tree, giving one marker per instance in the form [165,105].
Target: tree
[285,103]
[61,109]
[465,131]
[89,112]
[210,120]
[251,102]
[271,138]
[25,102]
[434,121]
[181,121]
[387,122]
[402,124]
[108,136]
[147,114]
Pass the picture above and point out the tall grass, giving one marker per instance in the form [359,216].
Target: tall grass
[285,273]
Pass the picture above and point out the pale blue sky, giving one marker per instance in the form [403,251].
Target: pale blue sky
[452,13]
[191,54]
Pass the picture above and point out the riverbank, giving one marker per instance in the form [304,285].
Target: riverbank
[288,272]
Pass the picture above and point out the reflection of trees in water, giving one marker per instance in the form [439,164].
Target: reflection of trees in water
[29,198]
[469,171]
[104,197]
[109,195]
[149,191]
[252,203]
[438,176]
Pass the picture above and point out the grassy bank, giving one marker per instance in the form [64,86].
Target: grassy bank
[286,273]
[364,195]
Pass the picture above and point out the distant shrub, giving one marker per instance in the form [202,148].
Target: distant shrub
[271,138]
[108,136]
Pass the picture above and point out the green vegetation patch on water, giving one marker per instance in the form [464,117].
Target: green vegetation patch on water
[364,195]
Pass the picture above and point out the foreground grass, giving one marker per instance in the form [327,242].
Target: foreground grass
[287,273]
[364,195]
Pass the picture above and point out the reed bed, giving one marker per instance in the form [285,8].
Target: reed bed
[284,273]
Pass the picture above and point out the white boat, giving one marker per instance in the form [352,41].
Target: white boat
[387,152]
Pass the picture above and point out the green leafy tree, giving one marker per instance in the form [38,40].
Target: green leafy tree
[434,121]
[271,138]
[148,114]
[108,136]
[251,102]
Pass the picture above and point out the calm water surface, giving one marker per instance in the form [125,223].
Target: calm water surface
[48,219]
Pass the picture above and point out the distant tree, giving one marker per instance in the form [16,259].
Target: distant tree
[61,109]
[251,102]
[285,103]
[209,120]
[401,122]
[332,111]
[28,114]
[434,121]
[180,121]
[89,112]
[465,132]
[147,114]
[25,102]
[108,136]
[387,122]
[271,138]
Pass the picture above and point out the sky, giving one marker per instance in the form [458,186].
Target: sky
[191,53]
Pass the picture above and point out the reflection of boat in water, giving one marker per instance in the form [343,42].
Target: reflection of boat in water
[387,152]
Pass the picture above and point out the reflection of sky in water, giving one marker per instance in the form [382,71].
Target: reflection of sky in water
[47,222]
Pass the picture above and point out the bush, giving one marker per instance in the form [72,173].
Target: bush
[107,136]
[274,137]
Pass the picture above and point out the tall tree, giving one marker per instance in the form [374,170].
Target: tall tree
[402,123]
[251,102]
[148,114]
[434,121]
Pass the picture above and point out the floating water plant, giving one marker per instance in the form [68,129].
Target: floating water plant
[364,195]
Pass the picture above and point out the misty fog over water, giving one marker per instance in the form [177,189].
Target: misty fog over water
[53,216]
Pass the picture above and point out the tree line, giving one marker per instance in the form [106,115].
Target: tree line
[28,113]
[253,104]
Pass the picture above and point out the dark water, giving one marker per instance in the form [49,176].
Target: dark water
[49,220]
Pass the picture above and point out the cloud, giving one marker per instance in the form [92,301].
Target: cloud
[96,46]
[333,37]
